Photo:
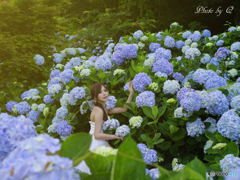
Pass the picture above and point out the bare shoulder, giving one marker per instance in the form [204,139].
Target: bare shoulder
[96,112]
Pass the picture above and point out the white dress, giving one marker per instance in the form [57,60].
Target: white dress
[94,144]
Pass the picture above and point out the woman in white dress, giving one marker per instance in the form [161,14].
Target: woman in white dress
[99,113]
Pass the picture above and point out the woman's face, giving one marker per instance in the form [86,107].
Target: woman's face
[103,94]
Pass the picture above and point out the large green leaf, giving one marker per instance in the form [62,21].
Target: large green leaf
[195,170]
[98,163]
[98,176]
[148,111]
[179,134]
[161,111]
[210,136]
[76,145]
[154,111]
[233,148]
[129,163]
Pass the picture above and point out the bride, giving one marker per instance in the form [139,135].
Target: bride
[99,113]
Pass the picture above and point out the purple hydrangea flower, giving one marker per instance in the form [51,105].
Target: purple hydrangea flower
[235,46]
[76,94]
[111,102]
[178,76]
[119,46]
[206,33]
[191,101]
[229,162]
[179,44]
[54,81]
[186,34]
[222,53]
[159,36]
[55,88]
[47,99]
[215,82]
[117,57]
[23,107]
[219,42]
[93,58]
[126,86]
[201,76]
[63,128]
[169,42]
[163,66]
[138,34]
[162,53]
[110,124]
[66,75]
[81,50]
[103,62]
[54,73]
[33,115]
[129,51]
[195,37]
[195,128]
[214,61]
[140,81]
[154,46]
[146,98]
[61,112]
[182,91]
[10,105]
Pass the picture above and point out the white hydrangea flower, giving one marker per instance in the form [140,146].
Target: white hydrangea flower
[51,128]
[185,48]
[153,86]
[175,24]
[233,72]
[149,62]
[144,38]
[83,57]
[219,146]
[34,107]
[60,66]
[85,72]
[141,45]
[14,109]
[188,42]
[194,45]
[105,151]
[175,166]
[208,145]
[83,107]
[135,121]
[118,71]
[78,68]
[45,111]
[209,44]
[187,84]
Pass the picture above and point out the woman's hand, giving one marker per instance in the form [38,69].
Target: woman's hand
[119,137]
[130,88]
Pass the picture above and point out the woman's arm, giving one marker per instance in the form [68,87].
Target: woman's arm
[98,125]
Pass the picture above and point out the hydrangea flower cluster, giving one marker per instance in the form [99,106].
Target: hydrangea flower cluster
[233,90]
[149,155]
[140,81]
[117,57]
[196,36]
[118,71]
[75,94]
[229,125]
[192,53]
[213,127]
[195,128]
[219,146]
[219,42]
[146,98]
[191,101]
[135,121]
[33,115]
[153,86]
[218,103]
[206,33]
[201,76]
[105,151]
[138,34]
[144,38]
[111,102]
[29,94]
[186,34]
[205,59]
[149,62]
[204,98]
[159,74]
[163,66]
[122,130]
[159,36]
[175,166]
[229,162]
[208,145]
[55,88]
[233,72]
[10,105]
[47,99]
[57,57]
[66,75]
[171,87]
[235,103]
[70,51]
[63,128]
[12,132]
[85,72]
[154,46]
[61,112]
[215,82]
[153,173]
[110,124]
[126,86]
[235,46]
[179,113]
[39,59]
[178,76]
[84,107]
[23,107]
[54,73]
[169,42]
[179,44]
[222,53]
[162,53]
[103,62]
[31,155]
[129,51]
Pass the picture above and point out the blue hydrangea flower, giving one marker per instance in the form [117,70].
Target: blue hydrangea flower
[201,76]
[192,53]
[186,34]
[231,29]
[163,66]
[54,73]
[93,58]
[222,53]
[195,128]
[33,115]
[219,42]
[154,173]
[235,103]
[233,90]
[41,107]
[23,107]
[63,128]
[149,155]
[214,61]
[182,91]
[159,74]
[205,59]
[218,103]
[110,124]
[12,132]
[137,34]
[195,36]
[10,105]
[140,81]
[169,42]
[146,98]
[235,46]
[122,130]
[215,82]
[143,148]
[54,81]
[204,98]
[103,62]
[171,87]
[129,51]
[81,50]
[238,80]
[71,51]
[61,112]
[154,46]
[206,33]
[111,102]
[66,75]
[191,101]
[39,59]
[229,125]
[30,93]
[55,88]
[75,94]
[229,162]
[75,61]
[179,44]
[178,76]
[47,99]
[119,46]
[162,53]
[57,57]
[159,36]
[117,57]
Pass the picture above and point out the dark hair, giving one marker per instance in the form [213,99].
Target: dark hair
[95,89]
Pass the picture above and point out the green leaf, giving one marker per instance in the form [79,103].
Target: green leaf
[98,176]
[73,147]
[128,158]
[210,158]
[161,111]
[158,141]
[157,136]
[173,129]
[215,167]
[133,66]
[148,111]
[179,134]
[129,106]
[144,137]
[233,148]
[154,111]
[210,136]
[94,78]
[127,114]
[163,128]
[195,169]
[164,145]
[98,163]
